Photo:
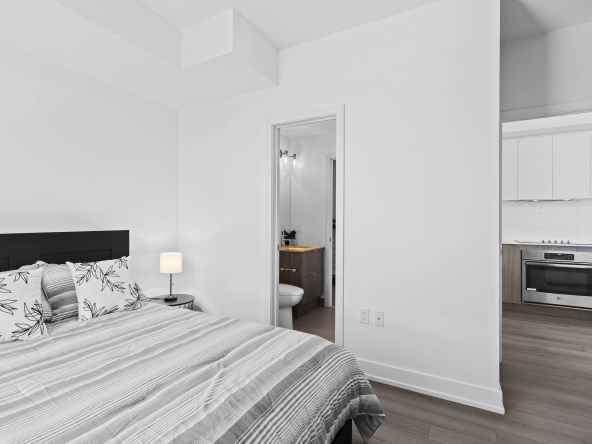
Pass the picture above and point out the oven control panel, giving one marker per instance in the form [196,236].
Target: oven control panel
[559,256]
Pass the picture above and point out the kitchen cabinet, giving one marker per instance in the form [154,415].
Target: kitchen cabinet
[304,269]
[535,168]
[510,169]
[571,166]
[512,273]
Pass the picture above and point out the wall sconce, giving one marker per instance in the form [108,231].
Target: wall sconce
[284,154]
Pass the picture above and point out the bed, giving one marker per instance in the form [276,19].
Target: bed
[161,374]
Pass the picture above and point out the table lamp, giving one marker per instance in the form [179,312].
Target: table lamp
[171,263]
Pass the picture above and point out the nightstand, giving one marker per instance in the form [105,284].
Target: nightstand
[182,301]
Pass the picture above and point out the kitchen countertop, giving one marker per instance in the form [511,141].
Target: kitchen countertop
[513,242]
[551,247]
[300,248]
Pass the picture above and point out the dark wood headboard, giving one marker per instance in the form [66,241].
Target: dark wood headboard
[18,249]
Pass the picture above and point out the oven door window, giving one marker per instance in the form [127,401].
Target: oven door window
[559,278]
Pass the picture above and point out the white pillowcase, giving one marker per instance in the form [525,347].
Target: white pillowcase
[21,313]
[105,287]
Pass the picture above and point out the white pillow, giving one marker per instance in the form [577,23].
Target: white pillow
[21,313]
[105,287]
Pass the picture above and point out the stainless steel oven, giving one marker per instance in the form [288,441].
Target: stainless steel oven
[558,278]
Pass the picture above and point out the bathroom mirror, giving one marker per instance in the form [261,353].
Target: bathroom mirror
[285,213]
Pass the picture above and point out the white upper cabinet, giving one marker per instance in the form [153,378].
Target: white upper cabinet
[571,166]
[535,168]
[510,169]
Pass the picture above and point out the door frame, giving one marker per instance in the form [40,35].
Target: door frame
[272,130]
[329,241]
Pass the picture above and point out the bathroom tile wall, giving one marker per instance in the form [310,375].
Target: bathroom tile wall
[557,220]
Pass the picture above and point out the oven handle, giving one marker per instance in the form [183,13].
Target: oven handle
[554,264]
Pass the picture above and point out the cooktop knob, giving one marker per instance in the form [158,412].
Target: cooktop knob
[555,241]
[544,241]
[561,240]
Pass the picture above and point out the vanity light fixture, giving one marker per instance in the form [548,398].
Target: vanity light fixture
[284,154]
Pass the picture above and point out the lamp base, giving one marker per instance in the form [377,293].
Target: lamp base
[170,298]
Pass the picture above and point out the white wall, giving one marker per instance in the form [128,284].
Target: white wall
[547,69]
[421,125]
[80,155]
[308,186]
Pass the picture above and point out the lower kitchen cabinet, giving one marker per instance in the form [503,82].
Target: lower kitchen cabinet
[512,273]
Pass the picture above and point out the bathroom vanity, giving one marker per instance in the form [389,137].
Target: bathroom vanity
[302,266]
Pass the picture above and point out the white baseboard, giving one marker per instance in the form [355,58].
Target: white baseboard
[475,396]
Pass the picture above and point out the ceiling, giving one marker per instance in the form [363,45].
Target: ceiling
[182,53]
[286,23]
[524,18]
[310,129]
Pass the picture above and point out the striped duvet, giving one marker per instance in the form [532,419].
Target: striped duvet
[161,375]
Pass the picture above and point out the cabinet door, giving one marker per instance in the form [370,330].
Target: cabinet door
[510,169]
[535,168]
[571,166]
[512,273]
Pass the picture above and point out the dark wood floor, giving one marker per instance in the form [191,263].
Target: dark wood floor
[546,377]
[320,322]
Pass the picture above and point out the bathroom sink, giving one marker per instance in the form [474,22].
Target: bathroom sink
[300,248]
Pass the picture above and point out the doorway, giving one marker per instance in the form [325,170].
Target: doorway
[307,234]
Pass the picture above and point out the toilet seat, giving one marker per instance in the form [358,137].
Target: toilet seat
[290,290]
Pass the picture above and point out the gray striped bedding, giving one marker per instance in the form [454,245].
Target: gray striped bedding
[159,375]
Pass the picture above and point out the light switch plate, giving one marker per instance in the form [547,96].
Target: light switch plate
[364,316]
[379,318]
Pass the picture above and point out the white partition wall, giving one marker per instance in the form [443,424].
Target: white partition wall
[421,125]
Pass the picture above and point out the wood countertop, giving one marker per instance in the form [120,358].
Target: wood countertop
[300,248]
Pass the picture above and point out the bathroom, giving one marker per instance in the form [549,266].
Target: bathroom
[307,221]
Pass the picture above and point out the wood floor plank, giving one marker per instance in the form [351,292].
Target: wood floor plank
[564,385]
[389,434]
[543,401]
[549,425]
[446,436]
[548,413]
[474,415]
[580,401]
[546,361]
[508,438]
[482,433]
[536,368]
[410,425]
[582,376]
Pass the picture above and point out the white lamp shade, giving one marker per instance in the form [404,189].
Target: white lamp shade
[171,262]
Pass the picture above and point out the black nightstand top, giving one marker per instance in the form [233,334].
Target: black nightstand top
[182,299]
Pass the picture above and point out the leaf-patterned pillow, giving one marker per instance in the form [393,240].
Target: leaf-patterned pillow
[105,287]
[21,314]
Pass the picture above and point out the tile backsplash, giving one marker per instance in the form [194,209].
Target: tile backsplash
[557,220]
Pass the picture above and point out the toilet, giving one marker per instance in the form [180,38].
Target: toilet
[289,296]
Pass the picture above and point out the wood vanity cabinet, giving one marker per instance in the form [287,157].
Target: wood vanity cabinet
[308,275]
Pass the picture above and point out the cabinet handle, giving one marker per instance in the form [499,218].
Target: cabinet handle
[293,270]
